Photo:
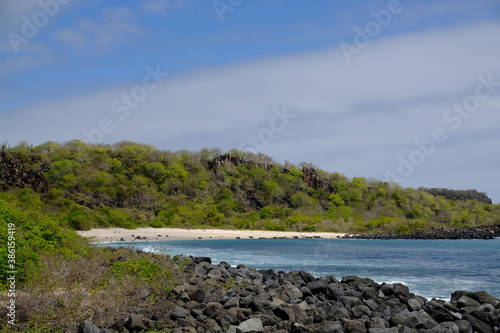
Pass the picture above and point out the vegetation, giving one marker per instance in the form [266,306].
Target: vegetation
[50,190]
[129,185]
[60,280]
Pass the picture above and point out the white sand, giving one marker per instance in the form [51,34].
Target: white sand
[157,234]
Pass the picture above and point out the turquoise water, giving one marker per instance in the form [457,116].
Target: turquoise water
[431,268]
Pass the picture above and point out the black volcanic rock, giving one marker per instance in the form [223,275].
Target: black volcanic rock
[241,300]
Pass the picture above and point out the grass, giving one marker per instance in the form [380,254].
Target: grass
[105,283]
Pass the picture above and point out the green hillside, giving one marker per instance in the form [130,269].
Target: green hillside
[48,190]
[130,185]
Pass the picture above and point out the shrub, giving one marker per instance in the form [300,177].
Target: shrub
[79,220]
[403,229]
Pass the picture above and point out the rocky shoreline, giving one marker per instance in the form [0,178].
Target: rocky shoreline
[222,298]
[489,232]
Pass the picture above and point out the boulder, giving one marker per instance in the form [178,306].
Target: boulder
[226,318]
[463,326]
[232,302]
[87,327]
[179,312]
[406,329]
[317,287]
[467,301]
[213,326]
[361,310]
[198,260]
[251,325]
[138,323]
[414,304]
[350,301]
[353,325]
[257,306]
[378,323]
[284,312]
[446,327]
[335,290]
[420,319]
[268,274]
[197,293]
[477,324]
[292,293]
[400,290]
[439,313]
[212,308]
[480,296]
[299,328]
[358,283]
[383,330]
[330,327]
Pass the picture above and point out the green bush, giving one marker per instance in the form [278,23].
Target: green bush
[403,229]
[34,235]
[141,268]
[79,220]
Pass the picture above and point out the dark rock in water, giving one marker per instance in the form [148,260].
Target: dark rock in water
[466,301]
[437,233]
[480,296]
[198,260]
[87,327]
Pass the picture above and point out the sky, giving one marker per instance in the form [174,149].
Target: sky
[404,91]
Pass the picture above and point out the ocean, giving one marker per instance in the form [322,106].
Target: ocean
[430,268]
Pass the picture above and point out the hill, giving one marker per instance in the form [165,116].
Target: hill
[129,185]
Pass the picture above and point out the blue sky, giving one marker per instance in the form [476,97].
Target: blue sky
[394,90]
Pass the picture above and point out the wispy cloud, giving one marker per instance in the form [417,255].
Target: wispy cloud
[354,118]
[114,26]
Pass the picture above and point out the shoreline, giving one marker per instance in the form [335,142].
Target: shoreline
[171,234]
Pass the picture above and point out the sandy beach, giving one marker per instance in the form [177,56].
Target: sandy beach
[162,234]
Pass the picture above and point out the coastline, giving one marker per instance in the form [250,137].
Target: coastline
[171,234]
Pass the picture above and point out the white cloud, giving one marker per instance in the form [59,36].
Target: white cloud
[11,12]
[114,26]
[163,6]
[354,118]
[76,39]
